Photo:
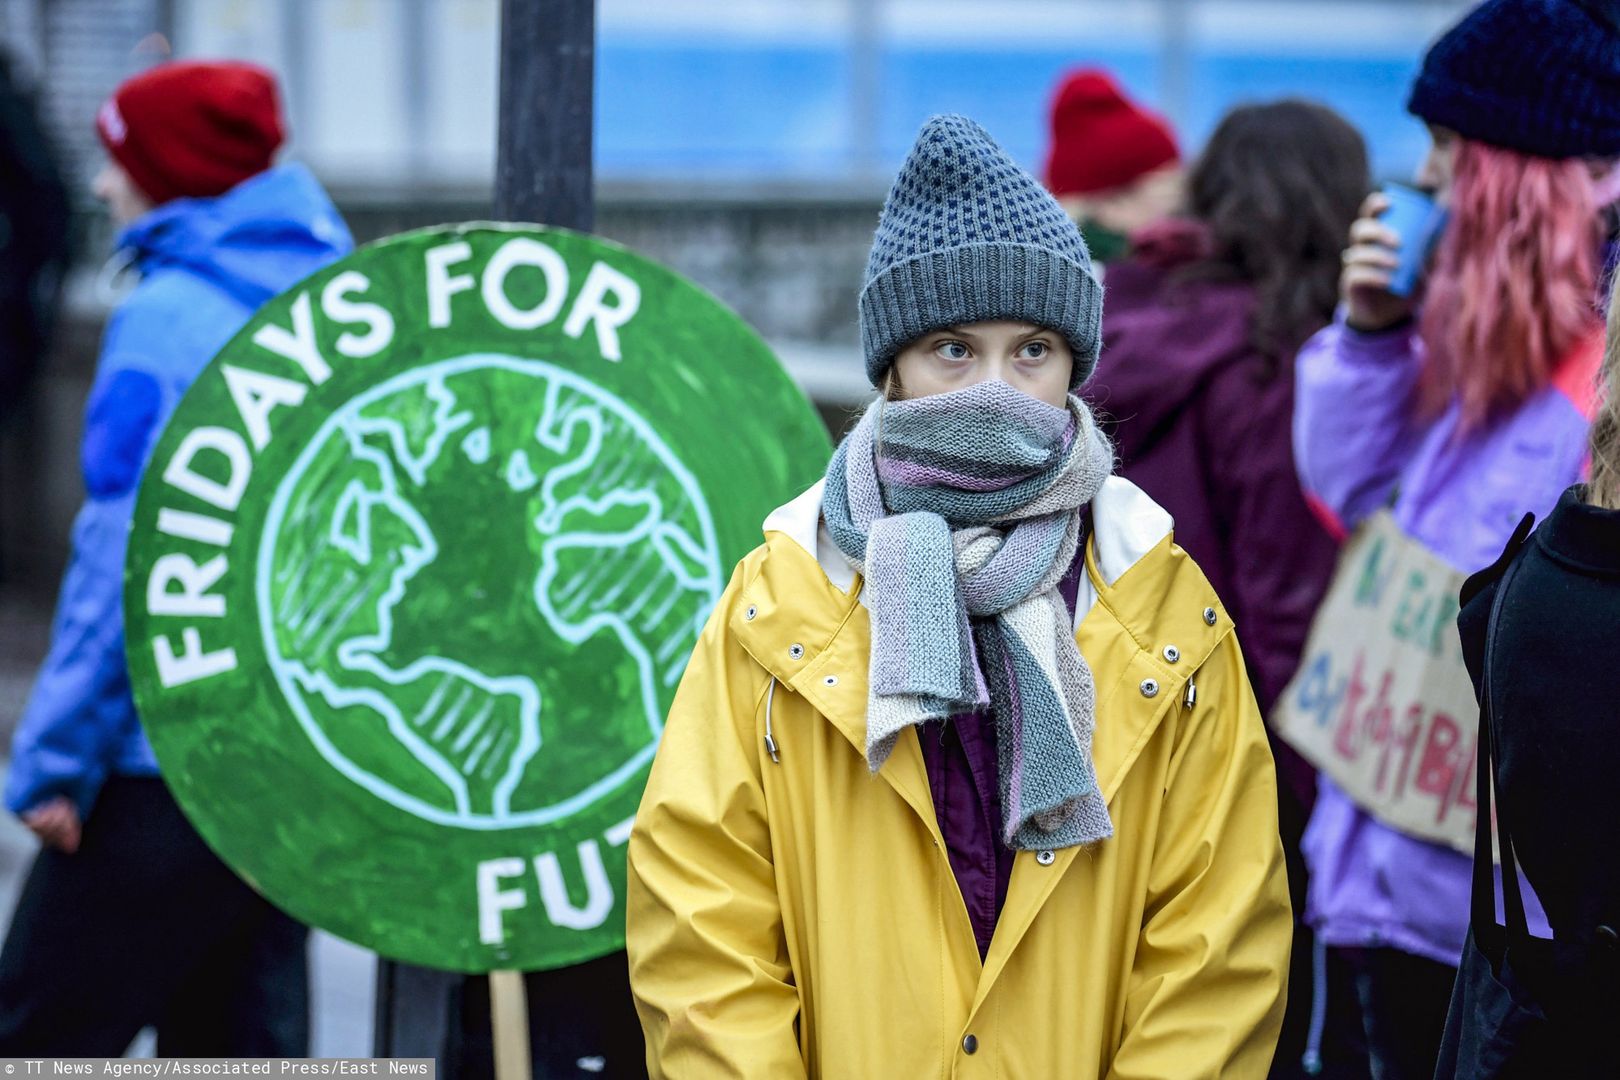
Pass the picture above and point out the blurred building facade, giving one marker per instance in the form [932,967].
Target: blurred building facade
[746,143]
[398,96]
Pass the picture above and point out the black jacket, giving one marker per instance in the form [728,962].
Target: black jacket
[1557,694]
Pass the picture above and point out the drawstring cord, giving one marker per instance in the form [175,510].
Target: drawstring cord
[1312,1061]
[770,742]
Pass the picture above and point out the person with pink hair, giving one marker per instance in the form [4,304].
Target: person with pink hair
[1459,413]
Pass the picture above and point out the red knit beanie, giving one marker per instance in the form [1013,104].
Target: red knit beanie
[1101,140]
[195,129]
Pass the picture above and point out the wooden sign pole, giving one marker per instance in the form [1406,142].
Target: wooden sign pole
[509,1015]
[543,174]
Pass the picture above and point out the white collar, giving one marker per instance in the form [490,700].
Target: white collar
[1126,524]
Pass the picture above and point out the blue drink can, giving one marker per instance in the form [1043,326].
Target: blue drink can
[1418,220]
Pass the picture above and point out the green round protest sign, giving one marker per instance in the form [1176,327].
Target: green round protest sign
[416,568]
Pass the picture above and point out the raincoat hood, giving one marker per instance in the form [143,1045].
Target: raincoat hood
[251,242]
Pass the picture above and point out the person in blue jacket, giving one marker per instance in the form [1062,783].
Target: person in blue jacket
[127,920]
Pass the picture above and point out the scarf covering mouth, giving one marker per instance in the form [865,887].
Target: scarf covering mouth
[962,512]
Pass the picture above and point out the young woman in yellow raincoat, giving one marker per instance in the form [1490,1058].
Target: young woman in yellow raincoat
[965,777]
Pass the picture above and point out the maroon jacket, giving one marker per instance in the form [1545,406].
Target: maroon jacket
[1203,420]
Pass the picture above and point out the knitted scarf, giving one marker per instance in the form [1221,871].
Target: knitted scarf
[962,513]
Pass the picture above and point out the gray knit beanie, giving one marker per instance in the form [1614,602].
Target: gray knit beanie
[968,236]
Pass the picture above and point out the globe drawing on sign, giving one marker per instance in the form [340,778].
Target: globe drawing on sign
[504,568]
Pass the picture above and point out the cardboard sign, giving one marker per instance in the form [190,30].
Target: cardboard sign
[1382,702]
[417,566]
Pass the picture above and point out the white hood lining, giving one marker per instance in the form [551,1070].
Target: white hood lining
[1126,525]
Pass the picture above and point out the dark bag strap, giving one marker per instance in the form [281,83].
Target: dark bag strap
[1488,775]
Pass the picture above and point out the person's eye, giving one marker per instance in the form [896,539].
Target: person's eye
[1034,350]
[951,350]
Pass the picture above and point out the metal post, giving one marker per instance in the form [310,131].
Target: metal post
[413,1014]
[543,174]
[543,164]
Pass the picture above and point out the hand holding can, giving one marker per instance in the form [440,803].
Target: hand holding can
[1417,220]
[1374,298]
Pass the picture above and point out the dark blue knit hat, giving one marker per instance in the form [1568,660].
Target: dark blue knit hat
[1538,76]
[968,236]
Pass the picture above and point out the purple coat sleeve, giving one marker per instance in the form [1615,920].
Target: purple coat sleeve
[1354,427]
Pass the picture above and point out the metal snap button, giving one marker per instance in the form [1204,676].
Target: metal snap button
[1607,937]
[1045,858]
[1209,615]
[1150,687]
[831,680]
[796,651]
[1171,653]
[970,1045]
[751,612]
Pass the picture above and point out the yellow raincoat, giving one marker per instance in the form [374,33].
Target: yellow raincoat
[795,916]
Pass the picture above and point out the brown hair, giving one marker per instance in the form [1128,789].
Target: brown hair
[1278,185]
[1604,489]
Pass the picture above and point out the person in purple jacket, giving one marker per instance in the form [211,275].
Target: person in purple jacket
[1459,414]
[1196,378]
